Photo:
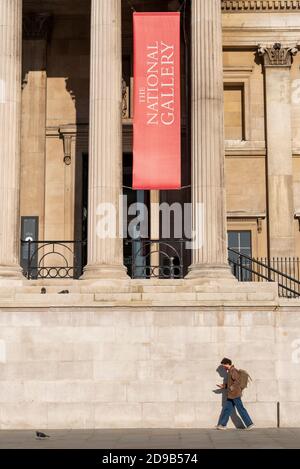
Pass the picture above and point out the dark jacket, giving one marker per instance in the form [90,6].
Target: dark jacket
[233,384]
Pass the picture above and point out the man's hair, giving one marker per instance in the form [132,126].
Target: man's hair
[226,361]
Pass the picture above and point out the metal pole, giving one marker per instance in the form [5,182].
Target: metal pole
[28,260]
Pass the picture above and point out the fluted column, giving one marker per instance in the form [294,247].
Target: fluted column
[10,120]
[209,257]
[277,61]
[105,247]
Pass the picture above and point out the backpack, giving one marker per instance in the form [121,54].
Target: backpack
[245,378]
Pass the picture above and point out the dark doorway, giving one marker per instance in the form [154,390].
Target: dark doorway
[29,234]
[81,208]
[135,255]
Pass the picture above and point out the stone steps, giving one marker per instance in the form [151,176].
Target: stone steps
[53,299]
[153,292]
[50,289]
[174,299]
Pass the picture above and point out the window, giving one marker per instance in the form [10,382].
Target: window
[240,243]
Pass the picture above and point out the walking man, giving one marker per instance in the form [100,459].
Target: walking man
[234,395]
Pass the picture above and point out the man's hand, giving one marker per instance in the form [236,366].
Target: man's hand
[221,386]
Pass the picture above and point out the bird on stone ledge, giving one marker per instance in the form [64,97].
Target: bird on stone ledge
[41,435]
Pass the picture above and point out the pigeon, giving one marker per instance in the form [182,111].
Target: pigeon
[41,435]
[63,292]
[43,291]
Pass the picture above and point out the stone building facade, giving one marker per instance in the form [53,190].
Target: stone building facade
[102,349]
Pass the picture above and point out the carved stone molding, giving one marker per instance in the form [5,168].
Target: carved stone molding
[250,6]
[245,217]
[125,100]
[73,136]
[297,217]
[68,136]
[277,55]
[37,26]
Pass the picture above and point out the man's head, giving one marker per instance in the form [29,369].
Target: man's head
[226,363]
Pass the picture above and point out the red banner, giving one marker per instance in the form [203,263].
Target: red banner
[156,123]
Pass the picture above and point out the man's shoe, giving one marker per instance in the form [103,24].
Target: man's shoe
[221,427]
[250,426]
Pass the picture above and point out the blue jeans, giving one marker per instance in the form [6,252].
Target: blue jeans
[228,409]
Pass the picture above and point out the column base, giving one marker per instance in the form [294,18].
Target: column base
[207,273]
[11,275]
[101,271]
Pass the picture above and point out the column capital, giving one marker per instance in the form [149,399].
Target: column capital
[277,55]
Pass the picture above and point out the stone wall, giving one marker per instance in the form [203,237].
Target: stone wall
[153,367]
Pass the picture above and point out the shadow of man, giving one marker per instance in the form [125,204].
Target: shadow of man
[236,420]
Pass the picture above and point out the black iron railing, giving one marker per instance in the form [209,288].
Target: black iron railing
[284,271]
[52,259]
[144,259]
[155,258]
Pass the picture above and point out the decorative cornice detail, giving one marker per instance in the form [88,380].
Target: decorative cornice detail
[37,26]
[249,6]
[277,55]
[69,134]
[246,217]
[125,100]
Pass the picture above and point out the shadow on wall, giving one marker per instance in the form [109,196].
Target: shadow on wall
[60,39]
[237,422]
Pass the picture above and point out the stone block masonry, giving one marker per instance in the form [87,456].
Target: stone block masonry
[144,367]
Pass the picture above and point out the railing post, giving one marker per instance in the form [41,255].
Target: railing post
[240,268]
[181,259]
[133,258]
[269,271]
[171,267]
[75,265]
[297,278]
[28,260]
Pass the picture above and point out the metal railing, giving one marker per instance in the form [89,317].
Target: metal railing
[284,271]
[161,258]
[155,258]
[52,259]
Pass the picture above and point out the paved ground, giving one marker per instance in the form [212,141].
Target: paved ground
[154,439]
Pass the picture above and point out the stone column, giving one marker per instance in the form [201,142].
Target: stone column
[105,252]
[208,186]
[10,120]
[277,62]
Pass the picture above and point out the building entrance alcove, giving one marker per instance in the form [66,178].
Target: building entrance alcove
[156,255]
[55,152]
[55,144]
